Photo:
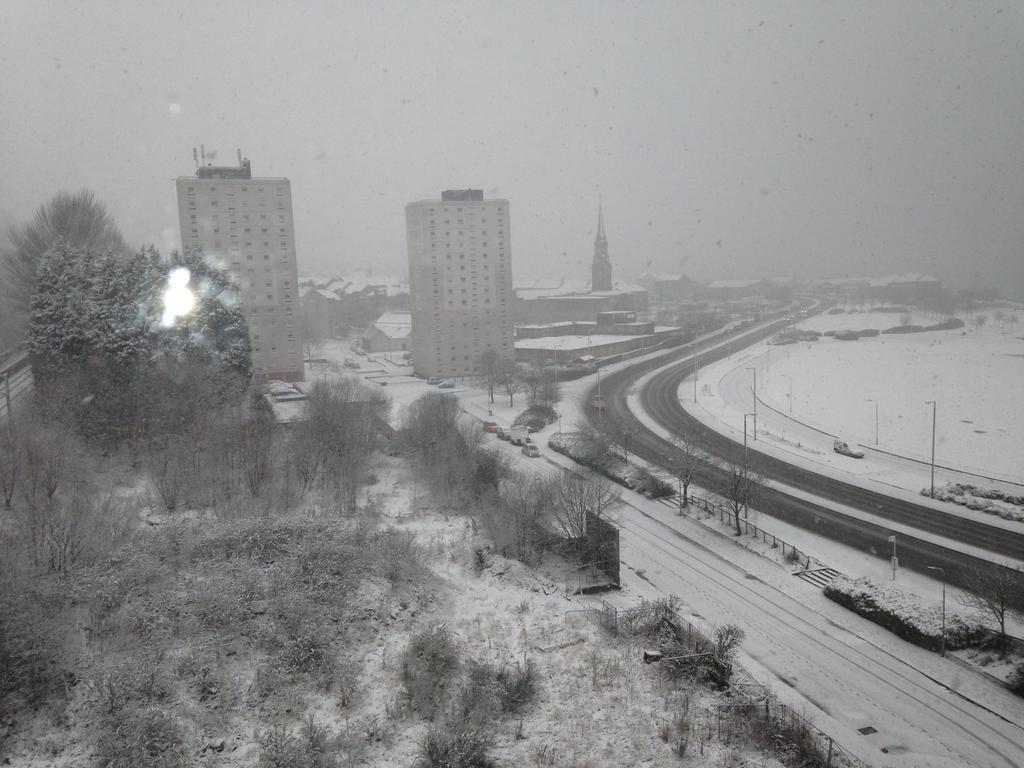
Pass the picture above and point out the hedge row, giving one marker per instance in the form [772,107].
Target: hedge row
[888,608]
[614,468]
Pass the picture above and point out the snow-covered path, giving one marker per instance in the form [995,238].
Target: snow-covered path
[849,679]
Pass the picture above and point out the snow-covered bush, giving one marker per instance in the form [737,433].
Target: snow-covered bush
[988,500]
[611,465]
[428,665]
[904,615]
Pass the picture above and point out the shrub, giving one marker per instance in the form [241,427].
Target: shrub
[429,663]
[885,608]
[132,737]
[30,644]
[538,416]
[1017,680]
[457,747]
[517,686]
[651,486]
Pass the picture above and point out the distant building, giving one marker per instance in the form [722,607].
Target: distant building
[601,269]
[612,333]
[333,306]
[460,282]
[391,332]
[247,224]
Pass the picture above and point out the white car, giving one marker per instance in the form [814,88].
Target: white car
[840,446]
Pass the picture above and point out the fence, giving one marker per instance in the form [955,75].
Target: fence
[758,704]
[770,719]
[728,516]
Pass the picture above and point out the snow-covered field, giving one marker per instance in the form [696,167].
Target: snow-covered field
[841,670]
[811,392]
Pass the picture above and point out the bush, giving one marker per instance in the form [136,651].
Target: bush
[1017,680]
[865,599]
[132,737]
[31,650]
[517,687]
[457,747]
[428,665]
[651,486]
[538,416]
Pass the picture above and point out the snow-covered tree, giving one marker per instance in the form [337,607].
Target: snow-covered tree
[76,219]
[101,355]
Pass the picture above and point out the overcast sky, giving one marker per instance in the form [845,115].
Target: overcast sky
[727,140]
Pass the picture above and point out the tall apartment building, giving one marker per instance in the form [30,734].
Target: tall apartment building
[460,282]
[246,224]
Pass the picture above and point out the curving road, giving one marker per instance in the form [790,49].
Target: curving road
[660,399]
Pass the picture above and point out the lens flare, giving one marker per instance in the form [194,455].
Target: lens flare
[178,299]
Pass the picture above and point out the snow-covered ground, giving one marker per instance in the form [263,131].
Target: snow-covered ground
[811,392]
[841,670]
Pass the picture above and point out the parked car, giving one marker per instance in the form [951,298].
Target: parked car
[502,434]
[446,384]
[350,363]
[490,426]
[840,446]
[531,450]
[433,380]
[519,435]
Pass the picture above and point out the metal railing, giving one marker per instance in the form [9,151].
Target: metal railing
[728,516]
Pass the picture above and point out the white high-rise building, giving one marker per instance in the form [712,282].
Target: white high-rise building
[246,225]
[460,282]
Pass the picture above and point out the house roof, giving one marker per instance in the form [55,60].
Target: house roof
[394,325]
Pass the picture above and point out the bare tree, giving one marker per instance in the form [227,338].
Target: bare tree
[579,496]
[520,523]
[540,382]
[741,483]
[619,436]
[78,219]
[508,375]
[340,423]
[593,445]
[684,465]
[995,592]
[549,391]
[490,366]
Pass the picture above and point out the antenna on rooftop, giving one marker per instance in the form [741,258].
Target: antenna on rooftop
[202,152]
[195,157]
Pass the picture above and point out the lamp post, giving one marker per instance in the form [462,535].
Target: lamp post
[745,415]
[871,400]
[943,573]
[696,370]
[932,403]
[790,379]
[754,371]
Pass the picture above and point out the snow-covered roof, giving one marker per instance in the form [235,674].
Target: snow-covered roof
[733,283]
[394,325]
[914,277]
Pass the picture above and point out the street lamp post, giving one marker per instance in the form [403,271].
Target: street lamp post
[745,415]
[943,573]
[932,403]
[754,371]
[871,400]
[696,370]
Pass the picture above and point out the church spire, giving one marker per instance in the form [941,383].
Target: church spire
[601,270]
